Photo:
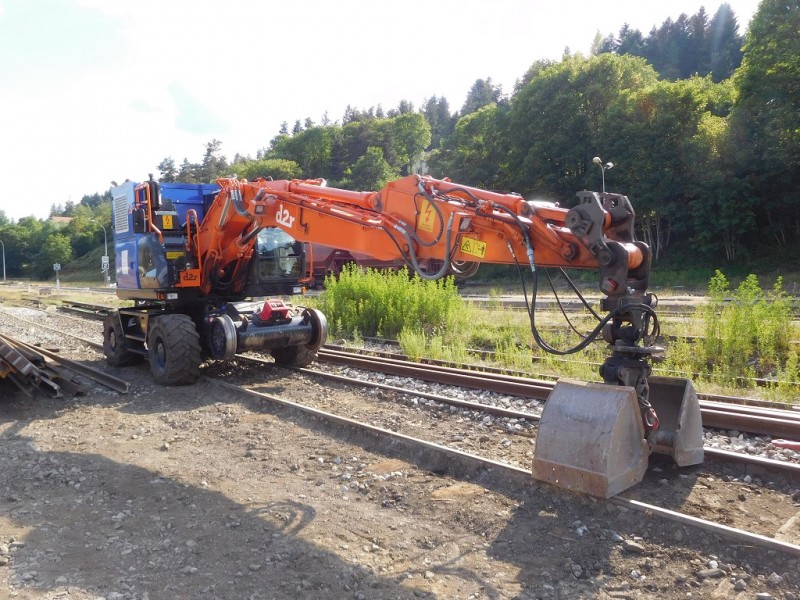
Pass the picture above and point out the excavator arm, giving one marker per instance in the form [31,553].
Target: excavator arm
[418,217]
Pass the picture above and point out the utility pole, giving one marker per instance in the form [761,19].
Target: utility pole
[104,265]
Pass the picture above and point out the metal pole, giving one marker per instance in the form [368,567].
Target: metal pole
[4,259]
[105,243]
[609,165]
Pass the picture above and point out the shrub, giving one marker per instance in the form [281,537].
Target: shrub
[382,303]
[747,331]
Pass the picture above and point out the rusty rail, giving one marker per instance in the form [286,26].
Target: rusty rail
[715,414]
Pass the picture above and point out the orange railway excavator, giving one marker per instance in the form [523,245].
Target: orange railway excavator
[593,437]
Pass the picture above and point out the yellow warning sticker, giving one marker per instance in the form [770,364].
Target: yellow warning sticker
[473,247]
[166,221]
[427,216]
[174,255]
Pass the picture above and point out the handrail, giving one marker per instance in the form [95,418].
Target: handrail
[189,237]
[150,225]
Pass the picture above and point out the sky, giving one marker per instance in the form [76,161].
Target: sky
[98,90]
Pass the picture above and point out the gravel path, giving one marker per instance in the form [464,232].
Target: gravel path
[196,492]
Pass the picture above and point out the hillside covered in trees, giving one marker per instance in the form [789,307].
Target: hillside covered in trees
[701,121]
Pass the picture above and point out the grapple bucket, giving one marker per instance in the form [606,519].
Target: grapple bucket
[680,431]
[591,439]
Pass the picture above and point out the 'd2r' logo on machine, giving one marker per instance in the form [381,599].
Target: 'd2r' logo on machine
[283,217]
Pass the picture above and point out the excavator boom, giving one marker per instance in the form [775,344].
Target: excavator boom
[419,217]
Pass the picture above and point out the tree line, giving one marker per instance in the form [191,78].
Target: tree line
[701,123]
[33,245]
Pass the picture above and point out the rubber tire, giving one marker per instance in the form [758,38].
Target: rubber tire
[173,348]
[294,356]
[116,345]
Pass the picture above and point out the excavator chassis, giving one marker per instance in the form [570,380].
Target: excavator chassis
[175,342]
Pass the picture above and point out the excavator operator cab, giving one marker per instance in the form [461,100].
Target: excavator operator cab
[279,253]
[279,265]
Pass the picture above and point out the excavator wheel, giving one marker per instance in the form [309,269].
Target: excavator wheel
[116,345]
[173,345]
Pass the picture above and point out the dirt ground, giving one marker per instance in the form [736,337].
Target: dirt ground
[200,492]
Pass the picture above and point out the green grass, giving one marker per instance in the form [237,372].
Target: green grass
[747,334]
[85,270]
[747,331]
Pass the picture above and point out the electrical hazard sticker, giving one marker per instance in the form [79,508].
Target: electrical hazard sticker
[473,247]
[427,216]
[166,221]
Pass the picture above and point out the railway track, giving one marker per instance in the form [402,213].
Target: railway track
[719,412]
[99,312]
[85,309]
[668,307]
[438,457]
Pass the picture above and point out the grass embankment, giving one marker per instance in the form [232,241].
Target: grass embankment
[86,269]
[746,333]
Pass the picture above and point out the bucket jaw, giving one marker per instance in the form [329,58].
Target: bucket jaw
[592,438]
[680,430]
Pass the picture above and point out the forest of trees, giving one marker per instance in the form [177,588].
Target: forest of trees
[701,121]
[685,47]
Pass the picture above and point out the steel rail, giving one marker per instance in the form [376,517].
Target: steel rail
[467,404]
[667,306]
[760,382]
[785,424]
[493,382]
[114,383]
[82,312]
[791,469]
